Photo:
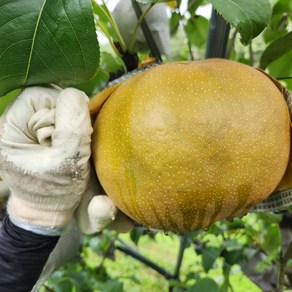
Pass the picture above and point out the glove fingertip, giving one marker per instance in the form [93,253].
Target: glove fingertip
[101,211]
[102,207]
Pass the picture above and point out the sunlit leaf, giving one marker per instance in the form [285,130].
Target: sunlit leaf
[249,17]
[7,99]
[272,239]
[46,42]
[276,49]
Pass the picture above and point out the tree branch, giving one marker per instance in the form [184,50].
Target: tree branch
[182,247]
[135,254]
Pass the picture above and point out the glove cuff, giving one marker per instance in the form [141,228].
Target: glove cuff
[48,231]
[26,213]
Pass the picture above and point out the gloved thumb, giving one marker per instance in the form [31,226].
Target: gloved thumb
[97,211]
[101,212]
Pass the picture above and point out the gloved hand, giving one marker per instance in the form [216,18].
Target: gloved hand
[44,160]
[45,148]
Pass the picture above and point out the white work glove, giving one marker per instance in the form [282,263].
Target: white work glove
[45,148]
[156,19]
[97,210]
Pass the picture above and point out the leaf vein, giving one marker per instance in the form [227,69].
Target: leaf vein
[48,67]
[60,48]
[20,41]
[33,43]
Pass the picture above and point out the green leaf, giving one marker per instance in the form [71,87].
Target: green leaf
[269,217]
[249,17]
[276,49]
[94,85]
[112,285]
[64,285]
[272,34]
[281,69]
[233,257]
[174,22]
[209,256]
[282,6]
[7,99]
[204,285]
[136,234]
[197,29]
[46,42]
[272,239]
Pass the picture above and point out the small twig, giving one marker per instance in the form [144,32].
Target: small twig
[283,267]
[140,20]
[111,42]
[251,54]
[114,26]
[189,43]
[183,25]
[231,45]
[182,247]
[284,78]
[107,252]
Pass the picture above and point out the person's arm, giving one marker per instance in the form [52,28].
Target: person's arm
[44,161]
[23,255]
[45,140]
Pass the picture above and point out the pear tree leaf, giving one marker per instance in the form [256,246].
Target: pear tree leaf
[279,69]
[276,49]
[197,29]
[204,285]
[249,17]
[46,41]
[7,99]
[209,256]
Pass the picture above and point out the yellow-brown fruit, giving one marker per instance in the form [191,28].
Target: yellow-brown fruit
[184,144]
